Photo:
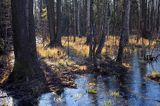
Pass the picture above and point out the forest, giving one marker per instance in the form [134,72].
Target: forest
[79,52]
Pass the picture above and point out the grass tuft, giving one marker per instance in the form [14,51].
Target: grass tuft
[155,75]
[115,93]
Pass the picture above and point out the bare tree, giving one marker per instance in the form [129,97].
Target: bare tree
[125,30]
[88,21]
[105,27]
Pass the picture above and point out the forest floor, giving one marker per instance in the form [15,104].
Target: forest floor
[63,63]
[60,65]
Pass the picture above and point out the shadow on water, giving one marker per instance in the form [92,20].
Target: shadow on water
[131,89]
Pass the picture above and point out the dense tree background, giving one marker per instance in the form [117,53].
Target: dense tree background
[24,23]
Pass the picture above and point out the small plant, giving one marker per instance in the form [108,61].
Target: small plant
[127,65]
[92,91]
[107,103]
[77,96]
[115,93]
[91,84]
[155,75]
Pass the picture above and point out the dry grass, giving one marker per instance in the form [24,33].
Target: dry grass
[115,93]
[59,59]
[50,52]
[5,69]
[155,74]
[81,50]
[79,45]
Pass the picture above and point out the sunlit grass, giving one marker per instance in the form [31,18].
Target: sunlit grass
[59,56]
[50,52]
[115,93]
[80,48]
[155,74]
[4,77]
[5,68]
[92,91]
[127,65]
[91,84]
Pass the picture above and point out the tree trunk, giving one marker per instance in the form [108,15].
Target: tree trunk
[88,22]
[158,18]
[51,21]
[125,30]
[59,17]
[91,33]
[105,29]
[26,61]
[144,17]
[78,18]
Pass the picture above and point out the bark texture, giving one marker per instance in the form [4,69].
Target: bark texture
[125,30]
[26,60]
[51,20]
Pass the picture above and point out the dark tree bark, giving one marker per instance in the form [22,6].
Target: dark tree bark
[88,22]
[144,17]
[105,28]
[59,22]
[125,30]
[158,18]
[5,26]
[26,61]
[51,21]
[91,33]
[78,17]
[75,19]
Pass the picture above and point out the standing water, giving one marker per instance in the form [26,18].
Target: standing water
[131,89]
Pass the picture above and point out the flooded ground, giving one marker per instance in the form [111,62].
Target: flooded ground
[132,89]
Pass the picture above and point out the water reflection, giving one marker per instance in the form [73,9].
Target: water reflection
[133,88]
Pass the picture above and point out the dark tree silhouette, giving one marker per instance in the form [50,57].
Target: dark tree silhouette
[26,61]
[125,30]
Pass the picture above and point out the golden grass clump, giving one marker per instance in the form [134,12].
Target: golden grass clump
[81,49]
[155,74]
[50,52]
[78,46]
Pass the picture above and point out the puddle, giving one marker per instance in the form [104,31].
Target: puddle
[131,89]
